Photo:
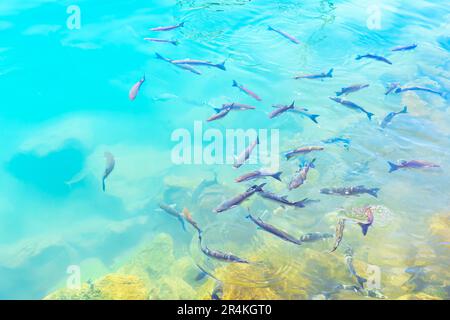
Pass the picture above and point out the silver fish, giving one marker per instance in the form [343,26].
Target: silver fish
[348,258]
[282,200]
[353,106]
[315,236]
[280,109]
[220,66]
[413,164]
[405,48]
[284,34]
[245,155]
[240,198]
[351,89]
[181,66]
[391,116]
[170,209]
[274,230]
[339,234]
[218,255]
[322,75]
[300,176]
[110,164]
[258,174]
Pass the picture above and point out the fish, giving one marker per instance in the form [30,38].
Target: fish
[247,91]
[174,42]
[170,209]
[304,112]
[345,141]
[240,198]
[258,174]
[219,115]
[417,88]
[391,116]
[135,89]
[315,236]
[370,218]
[351,191]
[348,258]
[168,28]
[245,155]
[284,34]
[374,57]
[353,106]
[322,75]
[300,176]
[220,66]
[405,48]
[274,230]
[413,164]
[339,234]
[200,276]
[204,184]
[302,150]
[351,89]
[217,293]
[218,255]
[187,215]
[282,200]
[235,107]
[110,164]
[391,87]
[181,66]
[280,109]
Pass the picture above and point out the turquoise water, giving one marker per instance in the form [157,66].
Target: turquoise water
[64,102]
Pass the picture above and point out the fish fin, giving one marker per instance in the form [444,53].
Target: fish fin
[277,175]
[175,42]
[183,225]
[292,104]
[217,110]
[235,84]
[181,24]
[330,73]
[404,110]
[221,66]
[338,94]
[358,57]
[257,140]
[103,184]
[364,227]
[370,115]
[361,281]
[314,117]
[300,204]
[159,56]
[269,28]
[374,192]
[392,167]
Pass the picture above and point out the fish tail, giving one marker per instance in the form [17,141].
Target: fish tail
[361,281]
[369,115]
[175,42]
[183,225]
[257,140]
[217,110]
[159,56]
[358,57]
[338,94]
[181,24]
[314,117]
[364,227]
[235,84]
[221,66]
[392,167]
[374,192]
[300,204]
[404,110]
[292,104]
[277,175]
[311,164]
[269,28]
[103,184]
[330,73]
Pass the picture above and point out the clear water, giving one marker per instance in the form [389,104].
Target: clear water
[64,102]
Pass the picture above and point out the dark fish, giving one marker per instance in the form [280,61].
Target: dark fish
[235,107]
[351,89]
[304,112]
[391,115]
[366,224]
[280,109]
[315,236]
[301,151]
[374,57]
[413,164]
[346,142]
[322,75]
[203,185]
[282,200]
[284,34]
[352,105]
[339,234]
[170,209]
[274,230]
[219,115]
[245,155]
[181,66]
[110,164]
[174,42]
[405,48]
[220,66]
[391,87]
[247,91]
[348,258]
[300,176]
[200,276]
[168,28]
[218,255]
[237,200]
[351,191]
[259,174]
[417,88]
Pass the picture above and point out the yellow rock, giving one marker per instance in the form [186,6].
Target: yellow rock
[439,226]
[122,287]
[172,288]
[418,296]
